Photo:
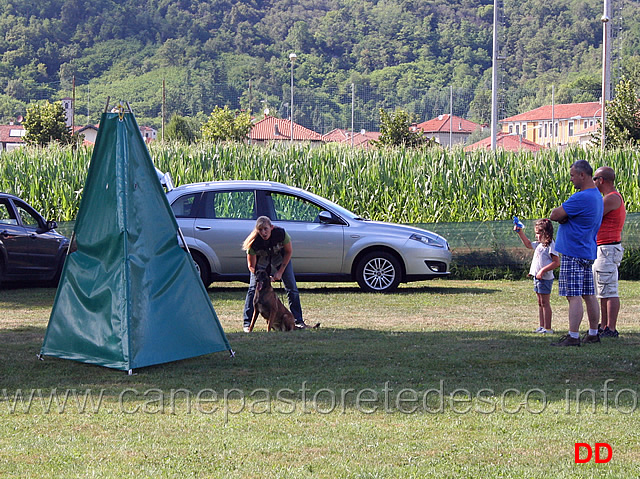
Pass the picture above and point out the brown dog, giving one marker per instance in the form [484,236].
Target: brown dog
[266,303]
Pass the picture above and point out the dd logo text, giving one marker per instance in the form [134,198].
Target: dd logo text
[590,453]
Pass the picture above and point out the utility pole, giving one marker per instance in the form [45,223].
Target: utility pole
[606,69]
[73,105]
[494,79]
[292,57]
[353,103]
[164,98]
[450,117]
[553,115]
[88,98]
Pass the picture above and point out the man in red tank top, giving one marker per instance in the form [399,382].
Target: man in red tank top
[605,267]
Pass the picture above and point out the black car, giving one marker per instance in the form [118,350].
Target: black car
[30,249]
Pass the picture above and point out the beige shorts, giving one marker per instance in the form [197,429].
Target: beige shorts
[605,270]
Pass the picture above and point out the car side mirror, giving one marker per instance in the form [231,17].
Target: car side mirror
[325,217]
[51,225]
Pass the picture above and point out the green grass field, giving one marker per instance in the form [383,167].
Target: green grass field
[441,379]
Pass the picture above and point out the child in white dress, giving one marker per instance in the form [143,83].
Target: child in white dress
[545,260]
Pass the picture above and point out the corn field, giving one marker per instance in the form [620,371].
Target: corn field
[399,185]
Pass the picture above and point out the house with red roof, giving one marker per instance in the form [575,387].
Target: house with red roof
[556,125]
[506,141]
[89,132]
[271,129]
[148,134]
[361,138]
[448,129]
[11,137]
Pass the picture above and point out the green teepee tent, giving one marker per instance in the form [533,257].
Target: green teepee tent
[129,296]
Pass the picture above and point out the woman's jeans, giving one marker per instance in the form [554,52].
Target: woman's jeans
[290,286]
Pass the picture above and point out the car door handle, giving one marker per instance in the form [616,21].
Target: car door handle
[203,228]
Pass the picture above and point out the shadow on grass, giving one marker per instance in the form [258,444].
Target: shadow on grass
[28,295]
[332,361]
[403,291]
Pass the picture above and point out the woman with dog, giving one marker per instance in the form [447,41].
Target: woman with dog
[269,249]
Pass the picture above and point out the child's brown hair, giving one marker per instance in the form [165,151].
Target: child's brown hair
[545,229]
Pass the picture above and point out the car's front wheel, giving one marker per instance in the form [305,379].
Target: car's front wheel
[378,272]
[203,268]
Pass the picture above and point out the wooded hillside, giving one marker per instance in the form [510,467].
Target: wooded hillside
[218,52]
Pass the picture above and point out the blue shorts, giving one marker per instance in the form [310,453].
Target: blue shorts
[542,286]
[576,277]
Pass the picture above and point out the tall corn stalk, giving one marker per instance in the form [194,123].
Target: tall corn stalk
[401,185]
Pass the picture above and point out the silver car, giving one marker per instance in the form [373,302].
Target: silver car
[329,242]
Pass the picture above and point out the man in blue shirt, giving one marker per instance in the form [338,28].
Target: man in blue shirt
[579,217]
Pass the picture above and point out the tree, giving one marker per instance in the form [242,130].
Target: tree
[180,130]
[15,88]
[631,69]
[10,109]
[395,130]
[480,106]
[622,126]
[583,88]
[225,125]
[46,122]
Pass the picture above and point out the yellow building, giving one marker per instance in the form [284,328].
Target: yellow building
[554,126]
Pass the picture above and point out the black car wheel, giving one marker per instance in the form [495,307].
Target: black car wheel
[203,268]
[378,272]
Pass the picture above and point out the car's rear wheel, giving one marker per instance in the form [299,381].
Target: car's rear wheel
[378,272]
[202,266]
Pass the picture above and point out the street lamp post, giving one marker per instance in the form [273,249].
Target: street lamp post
[292,57]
